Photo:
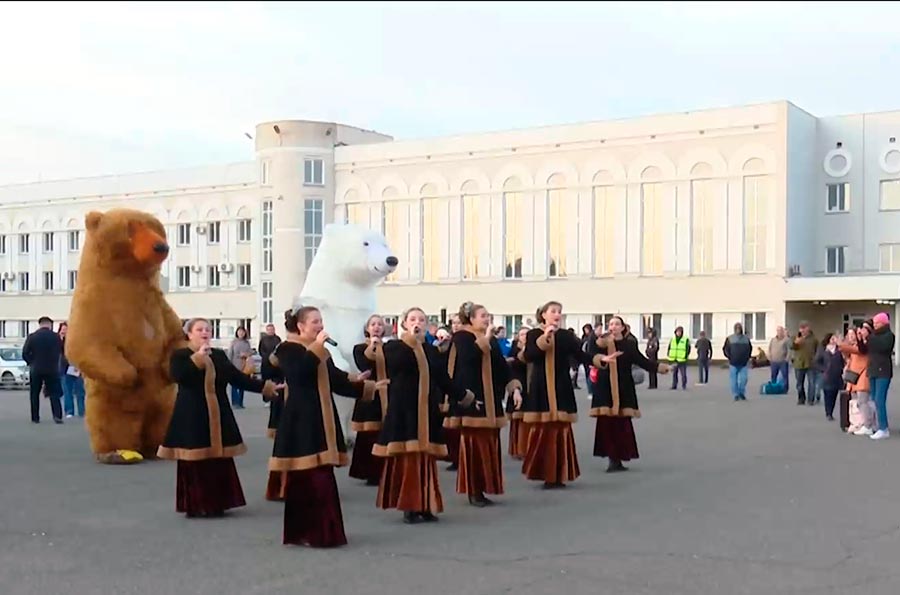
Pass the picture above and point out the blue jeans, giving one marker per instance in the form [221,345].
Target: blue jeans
[73,394]
[807,377]
[780,369]
[682,369]
[237,396]
[738,378]
[703,370]
[880,388]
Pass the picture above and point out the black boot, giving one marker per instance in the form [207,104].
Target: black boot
[428,517]
[615,466]
[411,518]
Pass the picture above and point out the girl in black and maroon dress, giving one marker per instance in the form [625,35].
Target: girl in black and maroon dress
[203,435]
[518,438]
[550,408]
[368,415]
[412,437]
[477,365]
[309,442]
[614,401]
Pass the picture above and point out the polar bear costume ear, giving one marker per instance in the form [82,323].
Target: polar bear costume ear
[92,220]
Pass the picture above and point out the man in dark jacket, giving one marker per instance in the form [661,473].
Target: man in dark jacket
[652,352]
[737,350]
[704,354]
[267,344]
[42,352]
[804,347]
[881,369]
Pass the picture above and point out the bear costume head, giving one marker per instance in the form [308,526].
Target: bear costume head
[354,255]
[125,242]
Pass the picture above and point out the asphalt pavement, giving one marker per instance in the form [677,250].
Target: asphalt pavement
[760,497]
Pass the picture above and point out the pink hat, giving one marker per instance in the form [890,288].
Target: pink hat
[882,318]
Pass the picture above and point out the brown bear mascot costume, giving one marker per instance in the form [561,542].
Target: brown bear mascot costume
[121,334]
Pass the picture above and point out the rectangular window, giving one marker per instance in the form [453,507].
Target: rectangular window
[512,323]
[213,232]
[755,325]
[2,329]
[247,324]
[23,328]
[2,245]
[890,195]
[470,233]
[267,314]
[184,277]
[651,321]
[244,231]
[244,277]
[834,260]
[837,198]
[513,224]
[604,231]
[313,223]
[264,173]
[703,225]
[48,280]
[701,322]
[184,234]
[652,229]
[215,326]
[48,241]
[24,243]
[214,276]
[889,255]
[314,172]
[756,214]
[267,236]
[74,241]
[73,279]
[4,286]
[24,282]
[556,232]
[435,238]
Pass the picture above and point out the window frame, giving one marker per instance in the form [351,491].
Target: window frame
[655,324]
[213,233]
[840,260]
[842,193]
[245,275]
[74,234]
[183,234]
[213,276]
[183,282]
[48,242]
[310,164]
[894,182]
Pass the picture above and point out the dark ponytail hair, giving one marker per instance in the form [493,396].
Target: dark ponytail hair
[468,311]
[293,319]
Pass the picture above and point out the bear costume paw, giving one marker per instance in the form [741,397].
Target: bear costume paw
[120,457]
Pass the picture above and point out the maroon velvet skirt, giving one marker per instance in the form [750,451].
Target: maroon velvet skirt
[275,486]
[364,464]
[518,438]
[207,488]
[615,438]
[409,483]
[480,468]
[452,435]
[312,509]
[551,456]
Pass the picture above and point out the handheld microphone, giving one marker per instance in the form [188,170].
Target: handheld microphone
[331,342]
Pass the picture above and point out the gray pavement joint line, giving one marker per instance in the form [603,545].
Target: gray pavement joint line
[612,553]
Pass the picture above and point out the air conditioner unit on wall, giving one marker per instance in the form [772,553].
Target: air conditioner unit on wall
[201,229]
[226,267]
[9,276]
[196,268]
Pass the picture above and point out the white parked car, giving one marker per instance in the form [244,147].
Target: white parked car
[13,369]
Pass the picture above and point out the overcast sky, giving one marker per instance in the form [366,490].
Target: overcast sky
[93,89]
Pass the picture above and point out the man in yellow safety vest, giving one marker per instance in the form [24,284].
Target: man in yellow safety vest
[679,350]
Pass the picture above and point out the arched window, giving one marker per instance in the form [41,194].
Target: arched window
[605,218]
[703,218]
[651,222]
[513,228]
[471,239]
[556,228]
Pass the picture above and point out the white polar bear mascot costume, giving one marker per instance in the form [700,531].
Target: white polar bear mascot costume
[340,282]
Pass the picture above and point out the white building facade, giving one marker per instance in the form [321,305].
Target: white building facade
[761,214]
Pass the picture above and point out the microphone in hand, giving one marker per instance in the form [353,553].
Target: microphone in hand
[331,342]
